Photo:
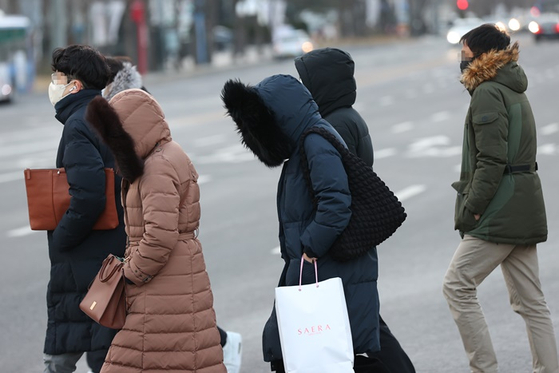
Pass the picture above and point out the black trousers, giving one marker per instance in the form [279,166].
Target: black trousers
[222,336]
[390,359]
[95,359]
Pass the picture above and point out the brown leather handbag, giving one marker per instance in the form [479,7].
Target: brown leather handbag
[105,301]
[48,199]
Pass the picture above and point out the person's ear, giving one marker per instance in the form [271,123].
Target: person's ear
[78,86]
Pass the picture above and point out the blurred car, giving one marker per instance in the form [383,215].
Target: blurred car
[515,24]
[291,43]
[546,26]
[460,27]
[6,86]
[223,37]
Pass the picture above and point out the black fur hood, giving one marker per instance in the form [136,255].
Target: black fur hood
[271,116]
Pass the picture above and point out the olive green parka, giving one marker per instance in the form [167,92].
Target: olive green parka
[498,178]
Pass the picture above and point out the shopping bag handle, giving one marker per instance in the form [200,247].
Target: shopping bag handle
[301,272]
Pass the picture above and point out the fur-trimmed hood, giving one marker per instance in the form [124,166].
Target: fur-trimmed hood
[271,116]
[132,124]
[500,66]
[127,78]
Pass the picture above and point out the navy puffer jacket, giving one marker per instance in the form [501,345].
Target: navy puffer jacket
[76,252]
[289,111]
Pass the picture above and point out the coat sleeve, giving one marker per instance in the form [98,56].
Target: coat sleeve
[490,125]
[159,192]
[350,136]
[365,149]
[355,133]
[86,177]
[329,181]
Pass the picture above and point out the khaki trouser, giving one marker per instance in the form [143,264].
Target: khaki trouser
[473,261]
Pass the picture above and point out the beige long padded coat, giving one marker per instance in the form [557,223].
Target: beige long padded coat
[170,326]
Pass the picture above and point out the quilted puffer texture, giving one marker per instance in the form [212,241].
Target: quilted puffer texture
[171,323]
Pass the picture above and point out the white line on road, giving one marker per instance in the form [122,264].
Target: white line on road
[402,127]
[433,146]
[385,153]
[20,232]
[202,179]
[210,140]
[410,191]
[549,129]
[548,149]
[231,154]
[276,251]
[440,116]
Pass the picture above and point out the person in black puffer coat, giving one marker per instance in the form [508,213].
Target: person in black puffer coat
[328,73]
[76,251]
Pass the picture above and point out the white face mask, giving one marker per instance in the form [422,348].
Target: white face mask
[56,92]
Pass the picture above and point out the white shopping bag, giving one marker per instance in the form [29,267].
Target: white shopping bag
[314,328]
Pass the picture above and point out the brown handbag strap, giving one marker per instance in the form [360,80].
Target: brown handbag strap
[107,262]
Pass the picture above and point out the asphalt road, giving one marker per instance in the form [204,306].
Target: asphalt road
[410,96]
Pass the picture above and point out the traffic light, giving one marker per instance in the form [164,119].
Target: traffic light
[462,4]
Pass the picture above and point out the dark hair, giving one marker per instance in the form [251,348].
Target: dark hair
[484,38]
[116,63]
[83,63]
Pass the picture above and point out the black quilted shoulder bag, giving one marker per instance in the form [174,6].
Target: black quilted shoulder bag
[376,211]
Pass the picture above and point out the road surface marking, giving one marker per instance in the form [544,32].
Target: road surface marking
[410,191]
[276,251]
[231,154]
[440,116]
[20,232]
[202,179]
[547,149]
[385,153]
[210,140]
[402,127]
[358,106]
[549,129]
[433,147]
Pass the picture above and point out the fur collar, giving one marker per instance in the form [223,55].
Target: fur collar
[486,66]
[103,117]
[127,78]
[256,124]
